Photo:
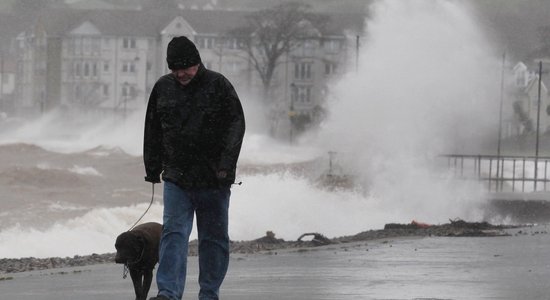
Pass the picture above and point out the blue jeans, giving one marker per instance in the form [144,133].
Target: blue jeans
[211,207]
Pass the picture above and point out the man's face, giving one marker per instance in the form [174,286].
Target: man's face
[184,76]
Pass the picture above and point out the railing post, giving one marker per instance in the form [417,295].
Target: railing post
[490,172]
[479,167]
[523,177]
[545,176]
[514,175]
[462,166]
[454,162]
[502,175]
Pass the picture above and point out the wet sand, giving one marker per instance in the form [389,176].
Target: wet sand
[505,267]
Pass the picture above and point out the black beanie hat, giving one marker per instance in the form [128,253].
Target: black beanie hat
[182,53]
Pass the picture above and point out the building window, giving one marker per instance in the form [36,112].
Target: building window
[105,67]
[106,90]
[231,43]
[128,91]
[307,48]
[330,68]
[205,42]
[128,67]
[301,94]
[128,43]
[332,46]
[199,42]
[304,94]
[77,70]
[302,70]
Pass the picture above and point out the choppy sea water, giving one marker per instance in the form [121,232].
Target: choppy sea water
[63,204]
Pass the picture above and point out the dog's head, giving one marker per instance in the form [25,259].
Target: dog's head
[129,247]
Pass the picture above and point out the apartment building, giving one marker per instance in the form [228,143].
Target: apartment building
[531,101]
[108,61]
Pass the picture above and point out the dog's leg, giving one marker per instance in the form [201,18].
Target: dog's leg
[147,279]
[138,285]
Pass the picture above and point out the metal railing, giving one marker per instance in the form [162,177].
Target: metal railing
[503,173]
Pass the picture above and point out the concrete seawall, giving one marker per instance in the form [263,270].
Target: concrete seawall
[520,208]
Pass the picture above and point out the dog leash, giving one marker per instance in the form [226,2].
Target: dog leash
[150,204]
[125,269]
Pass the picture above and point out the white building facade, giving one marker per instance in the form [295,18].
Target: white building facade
[109,62]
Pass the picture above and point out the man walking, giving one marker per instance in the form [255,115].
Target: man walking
[194,128]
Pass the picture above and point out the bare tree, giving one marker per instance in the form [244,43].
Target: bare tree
[271,33]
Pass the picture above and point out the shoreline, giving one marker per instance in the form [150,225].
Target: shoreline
[456,228]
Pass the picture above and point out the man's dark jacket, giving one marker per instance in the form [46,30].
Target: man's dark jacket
[193,132]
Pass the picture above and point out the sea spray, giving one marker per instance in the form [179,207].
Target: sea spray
[427,84]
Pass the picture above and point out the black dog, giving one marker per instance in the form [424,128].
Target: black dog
[138,249]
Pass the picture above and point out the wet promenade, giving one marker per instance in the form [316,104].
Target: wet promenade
[512,267]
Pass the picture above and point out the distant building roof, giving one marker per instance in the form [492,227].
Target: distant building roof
[93,4]
[151,23]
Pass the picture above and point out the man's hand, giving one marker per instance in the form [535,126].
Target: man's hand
[152,179]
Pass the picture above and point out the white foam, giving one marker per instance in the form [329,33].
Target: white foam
[80,170]
[64,206]
[91,171]
[95,232]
